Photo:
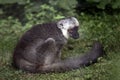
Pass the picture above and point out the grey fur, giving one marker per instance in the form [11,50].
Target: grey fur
[39,50]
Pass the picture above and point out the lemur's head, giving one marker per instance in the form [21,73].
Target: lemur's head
[69,27]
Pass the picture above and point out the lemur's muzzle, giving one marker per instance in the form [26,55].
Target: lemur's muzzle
[74,32]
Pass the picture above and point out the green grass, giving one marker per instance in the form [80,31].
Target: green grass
[105,69]
[105,28]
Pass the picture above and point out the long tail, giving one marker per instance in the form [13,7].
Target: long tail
[76,62]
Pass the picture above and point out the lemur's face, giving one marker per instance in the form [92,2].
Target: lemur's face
[73,32]
[69,27]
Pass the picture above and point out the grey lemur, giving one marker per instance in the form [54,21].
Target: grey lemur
[39,49]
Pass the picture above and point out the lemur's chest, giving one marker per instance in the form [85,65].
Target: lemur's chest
[60,42]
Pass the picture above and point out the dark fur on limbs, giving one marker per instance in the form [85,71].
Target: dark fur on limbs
[39,50]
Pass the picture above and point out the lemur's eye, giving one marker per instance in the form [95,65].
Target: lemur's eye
[61,24]
[70,30]
[73,29]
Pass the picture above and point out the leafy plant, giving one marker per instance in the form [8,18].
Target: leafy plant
[104,28]
[13,1]
[115,4]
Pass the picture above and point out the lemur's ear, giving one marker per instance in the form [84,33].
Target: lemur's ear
[75,21]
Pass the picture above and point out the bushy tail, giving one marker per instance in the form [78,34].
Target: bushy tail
[76,62]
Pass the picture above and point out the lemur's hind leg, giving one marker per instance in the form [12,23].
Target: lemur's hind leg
[47,51]
[45,55]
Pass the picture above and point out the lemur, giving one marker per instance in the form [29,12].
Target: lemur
[39,49]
